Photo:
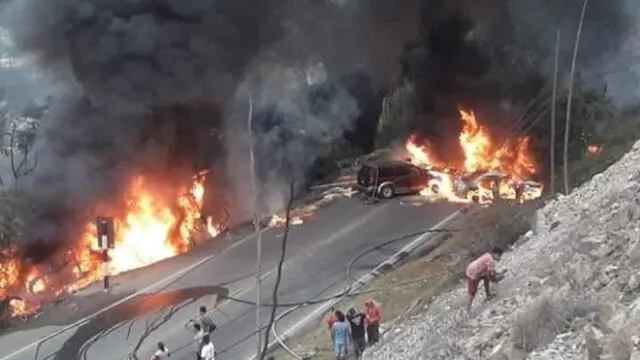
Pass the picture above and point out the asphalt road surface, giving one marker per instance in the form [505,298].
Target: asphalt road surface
[318,254]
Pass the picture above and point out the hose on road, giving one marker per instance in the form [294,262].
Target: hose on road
[347,292]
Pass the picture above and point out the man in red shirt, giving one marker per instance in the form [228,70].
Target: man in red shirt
[374,316]
[482,268]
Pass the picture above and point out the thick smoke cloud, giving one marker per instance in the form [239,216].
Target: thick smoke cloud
[149,86]
[162,86]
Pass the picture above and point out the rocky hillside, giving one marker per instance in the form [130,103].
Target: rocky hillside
[571,290]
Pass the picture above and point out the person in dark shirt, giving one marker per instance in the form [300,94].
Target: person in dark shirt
[357,320]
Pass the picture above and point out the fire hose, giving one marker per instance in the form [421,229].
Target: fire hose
[347,292]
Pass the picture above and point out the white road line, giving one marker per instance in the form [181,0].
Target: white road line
[360,282]
[121,301]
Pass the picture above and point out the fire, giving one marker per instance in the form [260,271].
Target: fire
[486,170]
[150,228]
[594,149]
[296,217]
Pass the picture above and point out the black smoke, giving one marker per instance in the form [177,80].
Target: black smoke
[163,86]
[160,87]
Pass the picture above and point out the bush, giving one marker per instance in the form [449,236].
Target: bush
[539,323]
[548,316]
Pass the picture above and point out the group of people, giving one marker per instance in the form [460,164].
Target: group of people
[356,328]
[202,327]
[360,329]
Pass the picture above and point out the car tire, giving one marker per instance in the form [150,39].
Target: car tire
[387,192]
[435,188]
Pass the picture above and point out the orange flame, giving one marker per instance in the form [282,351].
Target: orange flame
[481,154]
[594,149]
[150,228]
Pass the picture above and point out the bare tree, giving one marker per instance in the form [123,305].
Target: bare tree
[23,168]
[283,255]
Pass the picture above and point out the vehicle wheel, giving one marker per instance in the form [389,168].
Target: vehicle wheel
[435,188]
[386,192]
[475,199]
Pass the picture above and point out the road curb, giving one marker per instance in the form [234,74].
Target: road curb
[382,268]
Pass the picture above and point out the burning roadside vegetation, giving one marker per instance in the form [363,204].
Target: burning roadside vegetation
[169,227]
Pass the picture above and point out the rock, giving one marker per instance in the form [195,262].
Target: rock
[633,254]
[602,281]
[633,283]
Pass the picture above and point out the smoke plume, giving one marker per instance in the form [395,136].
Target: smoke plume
[161,86]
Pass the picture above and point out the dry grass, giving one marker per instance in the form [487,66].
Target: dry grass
[619,346]
[540,322]
[550,315]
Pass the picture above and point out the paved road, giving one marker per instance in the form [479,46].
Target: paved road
[318,254]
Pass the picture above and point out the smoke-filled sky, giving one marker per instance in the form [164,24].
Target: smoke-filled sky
[141,84]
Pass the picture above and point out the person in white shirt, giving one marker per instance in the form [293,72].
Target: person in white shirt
[198,336]
[208,352]
[162,352]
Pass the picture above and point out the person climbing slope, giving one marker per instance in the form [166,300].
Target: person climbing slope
[482,269]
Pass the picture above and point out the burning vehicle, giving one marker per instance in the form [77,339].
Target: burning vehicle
[389,179]
[487,171]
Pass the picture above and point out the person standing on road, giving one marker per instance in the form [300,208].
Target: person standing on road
[374,316]
[482,268]
[208,351]
[198,336]
[161,353]
[207,324]
[340,334]
[357,320]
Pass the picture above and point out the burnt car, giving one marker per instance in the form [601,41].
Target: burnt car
[472,182]
[392,178]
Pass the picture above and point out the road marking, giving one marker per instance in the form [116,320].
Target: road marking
[359,283]
[121,301]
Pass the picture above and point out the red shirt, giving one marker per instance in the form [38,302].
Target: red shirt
[332,319]
[481,267]
[374,315]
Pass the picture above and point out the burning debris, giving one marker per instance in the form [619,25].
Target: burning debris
[594,149]
[151,228]
[488,170]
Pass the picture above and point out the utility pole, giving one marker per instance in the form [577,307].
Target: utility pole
[256,224]
[105,234]
[553,114]
[569,99]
